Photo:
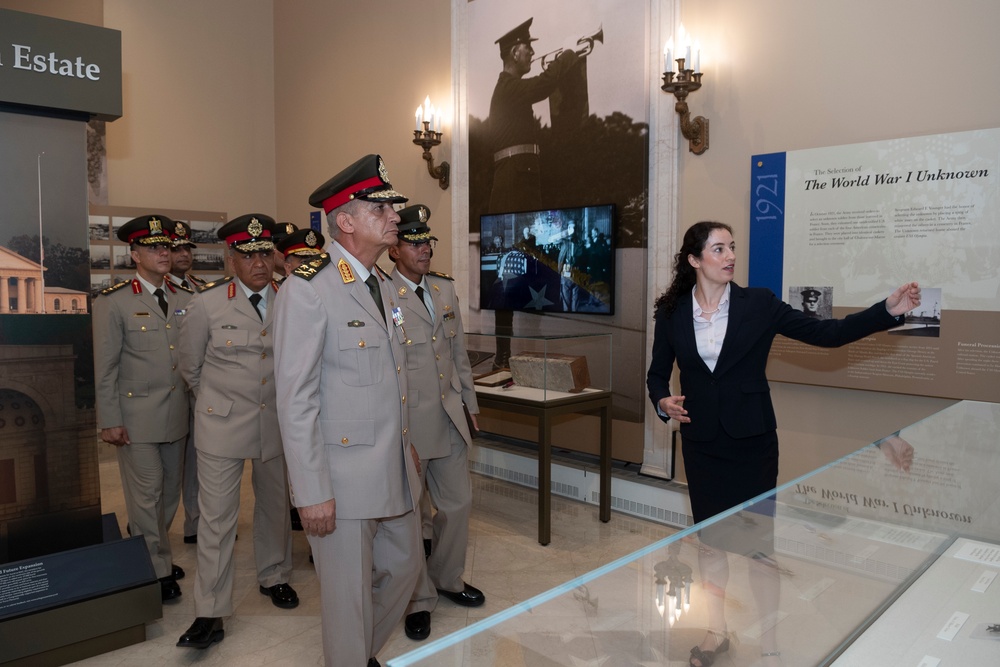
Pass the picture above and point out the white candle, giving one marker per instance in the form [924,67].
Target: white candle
[416,118]
[687,56]
[668,61]
[696,65]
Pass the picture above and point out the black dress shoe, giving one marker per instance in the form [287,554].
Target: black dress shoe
[418,625]
[470,596]
[191,539]
[372,662]
[428,547]
[282,595]
[169,590]
[203,633]
[177,571]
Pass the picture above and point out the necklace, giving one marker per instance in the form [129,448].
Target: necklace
[709,312]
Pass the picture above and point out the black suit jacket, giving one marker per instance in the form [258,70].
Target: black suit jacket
[735,396]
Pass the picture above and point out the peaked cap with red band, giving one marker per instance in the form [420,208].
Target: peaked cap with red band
[147,230]
[249,233]
[304,242]
[365,179]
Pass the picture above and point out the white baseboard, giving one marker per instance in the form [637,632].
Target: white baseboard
[666,506]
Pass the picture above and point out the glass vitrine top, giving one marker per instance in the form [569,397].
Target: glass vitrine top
[888,556]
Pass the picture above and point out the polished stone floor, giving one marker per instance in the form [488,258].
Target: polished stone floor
[504,560]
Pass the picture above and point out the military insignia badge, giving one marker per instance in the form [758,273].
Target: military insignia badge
[397,316]
[447,307]
[155,226]
[355,323]
[311,239]
[423,213]
[345,271]
[449,316]
[179,230]
[232,290]
[402,290]
[255,229]
[382,171]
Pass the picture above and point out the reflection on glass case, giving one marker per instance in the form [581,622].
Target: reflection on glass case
[889,556]
[540,368]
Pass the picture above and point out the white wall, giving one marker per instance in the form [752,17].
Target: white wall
[198,125]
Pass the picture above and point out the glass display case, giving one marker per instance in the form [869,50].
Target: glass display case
[545,377]
[888,556]
[540,367]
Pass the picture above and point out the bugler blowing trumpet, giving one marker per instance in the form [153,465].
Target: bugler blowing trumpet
[586,45]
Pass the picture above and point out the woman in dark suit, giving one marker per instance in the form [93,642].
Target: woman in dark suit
[720,334]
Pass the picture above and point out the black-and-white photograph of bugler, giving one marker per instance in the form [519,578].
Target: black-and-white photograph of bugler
[557,109]
[558,260]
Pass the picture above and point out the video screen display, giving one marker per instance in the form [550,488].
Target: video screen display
[556,261]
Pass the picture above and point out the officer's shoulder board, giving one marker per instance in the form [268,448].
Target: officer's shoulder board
[440,275]
[182,288]
[197,280]
[115,288]
[309,269]
[216,283]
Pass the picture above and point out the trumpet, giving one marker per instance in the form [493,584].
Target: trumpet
[586,45]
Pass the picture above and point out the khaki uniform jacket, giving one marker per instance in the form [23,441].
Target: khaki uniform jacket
[438,370]
[342,392]
[194,281]
[136,362]
[227,359]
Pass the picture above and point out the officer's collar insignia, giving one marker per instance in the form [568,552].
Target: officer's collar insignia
[402,290]
[345,271]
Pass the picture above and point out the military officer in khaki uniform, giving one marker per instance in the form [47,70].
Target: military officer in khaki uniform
[342,395]
[281,230]
[142,404]
[227,360]
[300,246]
[439,377]
[181,258]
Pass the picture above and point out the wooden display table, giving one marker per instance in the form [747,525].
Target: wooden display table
[544,405]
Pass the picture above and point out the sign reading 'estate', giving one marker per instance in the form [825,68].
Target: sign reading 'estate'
[55,64]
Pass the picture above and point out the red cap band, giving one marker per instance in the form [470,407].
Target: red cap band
[344,195]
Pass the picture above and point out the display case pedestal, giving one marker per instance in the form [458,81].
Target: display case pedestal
[545,407]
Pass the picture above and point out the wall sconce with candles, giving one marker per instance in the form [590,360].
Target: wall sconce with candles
[686,80]
[428,137]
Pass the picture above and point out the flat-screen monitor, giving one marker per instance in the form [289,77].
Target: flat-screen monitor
[554,261]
